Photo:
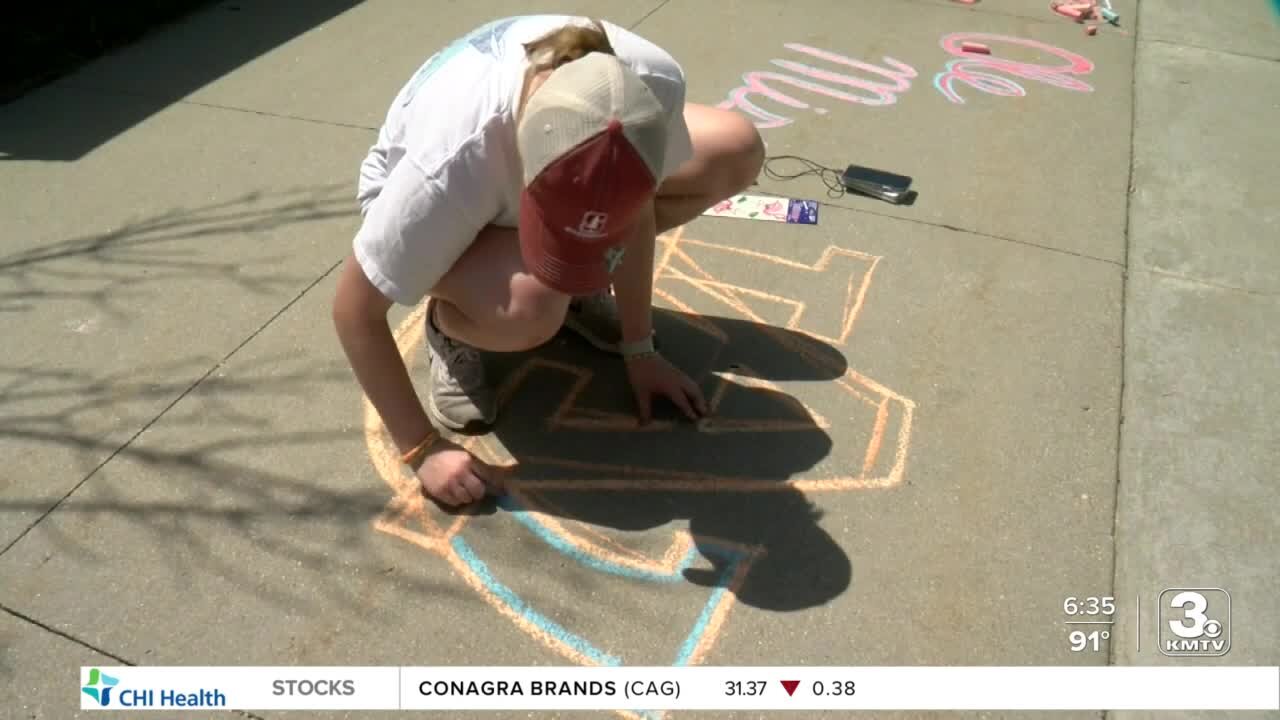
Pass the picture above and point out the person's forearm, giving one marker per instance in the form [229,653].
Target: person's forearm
[633,283]
[380,370]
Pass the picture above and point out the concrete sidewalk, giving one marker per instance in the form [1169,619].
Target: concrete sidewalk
[1052,376]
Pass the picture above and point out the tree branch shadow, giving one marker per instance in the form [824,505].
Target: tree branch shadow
[214,481]
[110,271]
[92,414]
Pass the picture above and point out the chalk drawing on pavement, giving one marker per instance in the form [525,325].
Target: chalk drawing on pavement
[870,421]
[881,85]
[980,71]
[895,79]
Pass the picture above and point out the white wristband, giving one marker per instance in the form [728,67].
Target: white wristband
[639,347]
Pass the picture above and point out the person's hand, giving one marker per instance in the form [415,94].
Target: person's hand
[651,375]
[453,477]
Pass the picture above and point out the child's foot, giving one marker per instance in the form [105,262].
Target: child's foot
[459,398]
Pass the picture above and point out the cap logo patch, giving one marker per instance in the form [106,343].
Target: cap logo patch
[591,226]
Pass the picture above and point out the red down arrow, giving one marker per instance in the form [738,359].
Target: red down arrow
[790,685]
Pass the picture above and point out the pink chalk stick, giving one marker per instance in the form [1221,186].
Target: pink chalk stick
[1091,30]
[1070,12]
[1086,9]
[973,47]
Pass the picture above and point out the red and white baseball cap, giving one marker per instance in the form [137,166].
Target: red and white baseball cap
[592,140]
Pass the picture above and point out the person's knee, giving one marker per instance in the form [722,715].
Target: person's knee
[748,156]
[744,154]
[536,313]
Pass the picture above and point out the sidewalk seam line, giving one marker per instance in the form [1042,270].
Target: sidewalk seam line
[1175,43]
[648,15]
[146,426]
[978,233]
[1124,309]
[264,113]
[71,638]
[229,108]
[64,635]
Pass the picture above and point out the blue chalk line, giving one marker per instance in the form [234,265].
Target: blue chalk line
[577,642]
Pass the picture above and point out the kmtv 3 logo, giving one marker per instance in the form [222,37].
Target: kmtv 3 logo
[1195,622]
[99,686]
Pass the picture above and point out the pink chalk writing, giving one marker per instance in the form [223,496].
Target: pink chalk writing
[978,72]
[990,74]
[897,79]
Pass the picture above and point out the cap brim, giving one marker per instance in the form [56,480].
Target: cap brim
[557,259]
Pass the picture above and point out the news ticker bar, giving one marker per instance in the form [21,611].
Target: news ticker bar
[641,689]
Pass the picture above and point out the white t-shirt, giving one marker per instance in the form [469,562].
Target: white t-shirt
[445,164]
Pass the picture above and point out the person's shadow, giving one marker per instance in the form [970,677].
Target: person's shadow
[568,424]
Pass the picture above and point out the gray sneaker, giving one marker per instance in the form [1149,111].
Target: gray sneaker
[595,318]
[459,397]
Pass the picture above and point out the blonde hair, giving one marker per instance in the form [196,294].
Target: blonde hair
[563,46]
[569,43]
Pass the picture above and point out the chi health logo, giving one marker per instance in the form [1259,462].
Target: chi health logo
[99,686]
[107,691]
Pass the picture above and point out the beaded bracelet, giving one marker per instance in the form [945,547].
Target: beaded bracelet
[414,457]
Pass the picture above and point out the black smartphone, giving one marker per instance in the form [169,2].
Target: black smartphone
[886,186]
